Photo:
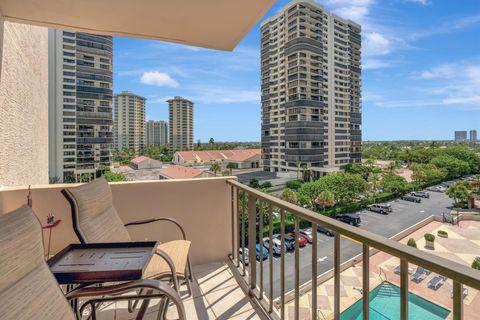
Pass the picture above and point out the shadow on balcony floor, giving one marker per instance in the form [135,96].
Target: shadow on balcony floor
[217,295]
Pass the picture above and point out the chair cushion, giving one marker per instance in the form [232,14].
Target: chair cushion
[96,218]
[177,250]
[28,290]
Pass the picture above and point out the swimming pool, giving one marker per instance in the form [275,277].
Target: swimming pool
[385,305]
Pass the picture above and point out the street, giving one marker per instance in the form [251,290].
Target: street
[404,215]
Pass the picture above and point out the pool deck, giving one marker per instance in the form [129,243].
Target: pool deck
[462,245]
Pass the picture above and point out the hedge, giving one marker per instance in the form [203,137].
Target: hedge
[294,184]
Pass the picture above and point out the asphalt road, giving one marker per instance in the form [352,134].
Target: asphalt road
[404,215]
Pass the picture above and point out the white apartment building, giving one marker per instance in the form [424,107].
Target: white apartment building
[80,104]
[129,121]
[311,79]
[180,124]
[156,133]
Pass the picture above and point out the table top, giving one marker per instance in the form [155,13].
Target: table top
[101,262]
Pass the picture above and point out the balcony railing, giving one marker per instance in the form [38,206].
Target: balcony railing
[249,204]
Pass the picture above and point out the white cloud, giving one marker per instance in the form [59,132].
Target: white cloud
[421,2]
[220,95]
[157,78]
[371,64]
[376,44]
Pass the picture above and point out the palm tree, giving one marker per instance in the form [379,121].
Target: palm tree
[325,199]
[230,166]
[215,167]
[307,173]
[298,164]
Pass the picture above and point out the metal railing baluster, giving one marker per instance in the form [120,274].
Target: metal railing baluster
[270,247]
[297,269]
[252,251]
[282,263]
[260,237]
[366,282]
[243,231]
[457,300]
[314,271]
[403,289]
[336,272]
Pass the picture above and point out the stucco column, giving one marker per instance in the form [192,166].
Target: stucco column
[1,43]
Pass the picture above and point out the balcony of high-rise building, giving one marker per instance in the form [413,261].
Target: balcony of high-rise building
[232,228]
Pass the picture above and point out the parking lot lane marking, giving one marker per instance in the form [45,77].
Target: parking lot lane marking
[322,259]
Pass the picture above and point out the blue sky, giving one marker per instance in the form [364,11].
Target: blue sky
[421,72]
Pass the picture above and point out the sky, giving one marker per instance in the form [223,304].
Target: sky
[420,78]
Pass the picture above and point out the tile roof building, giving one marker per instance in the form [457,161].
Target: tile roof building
[181,172]
[245,158]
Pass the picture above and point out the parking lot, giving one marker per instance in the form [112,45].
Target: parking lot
[404,214]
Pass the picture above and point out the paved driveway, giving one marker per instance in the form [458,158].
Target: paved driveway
[404,215]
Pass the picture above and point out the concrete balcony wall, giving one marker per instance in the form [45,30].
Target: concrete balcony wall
[202,206]
[23,104]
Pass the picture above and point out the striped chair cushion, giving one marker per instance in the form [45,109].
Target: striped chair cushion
[28,289]
[96,218]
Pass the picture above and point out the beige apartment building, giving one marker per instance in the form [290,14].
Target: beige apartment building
[156,133]
[311,79]
[129,123]
[180,124]
[80,104]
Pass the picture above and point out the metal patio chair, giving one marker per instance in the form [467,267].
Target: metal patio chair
[28,290]
[95,219]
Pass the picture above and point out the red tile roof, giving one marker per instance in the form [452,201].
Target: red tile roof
[139,159]
[219,155]
[180,172]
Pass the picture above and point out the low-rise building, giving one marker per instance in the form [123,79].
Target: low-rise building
[181,172]
[143,162]
[244,158]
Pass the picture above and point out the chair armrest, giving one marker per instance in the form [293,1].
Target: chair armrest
[116,293]
[167,219]
[170,263]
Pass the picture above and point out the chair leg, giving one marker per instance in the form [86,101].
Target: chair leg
[143,307]
[132,304]
[189,278]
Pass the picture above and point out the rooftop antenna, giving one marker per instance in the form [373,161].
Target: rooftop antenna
[29,197]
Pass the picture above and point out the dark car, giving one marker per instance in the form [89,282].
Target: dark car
[350,218]
[289,241]
[420,194]
[324,230]
[411,199]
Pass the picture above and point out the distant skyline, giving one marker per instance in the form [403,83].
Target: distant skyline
[421,73]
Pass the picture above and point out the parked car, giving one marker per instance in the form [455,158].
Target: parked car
[383,208]
[289,241]
[276,245]
[240,255]
[411,199]
[420,194]
[324,230]
[350,218]
[302,241]
[307,233]
[258,254]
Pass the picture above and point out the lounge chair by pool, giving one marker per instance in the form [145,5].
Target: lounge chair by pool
[436,282]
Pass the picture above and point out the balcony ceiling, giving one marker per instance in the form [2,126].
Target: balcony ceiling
[215,24]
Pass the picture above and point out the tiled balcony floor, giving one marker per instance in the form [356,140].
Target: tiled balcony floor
[216,295]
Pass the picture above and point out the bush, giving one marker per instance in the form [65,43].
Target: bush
[266,185]
[294,184]
[412,243]
[476,263]
[429,237]
[442,234]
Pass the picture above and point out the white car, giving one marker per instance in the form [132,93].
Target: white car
[276,245]
[240,256]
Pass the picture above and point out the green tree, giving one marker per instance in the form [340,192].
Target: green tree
[452,165]
[230,166]
[289,195]
[215,167]
[226,173]
[476,263]
[394,184]
[459,193]
[412,243]
[325,199]
[114,177]
[253,183]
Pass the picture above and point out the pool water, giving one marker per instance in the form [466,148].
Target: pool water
[385,305]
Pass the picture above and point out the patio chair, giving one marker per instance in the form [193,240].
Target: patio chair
[28,290]
[95,219]
[436,282]
[418,275]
